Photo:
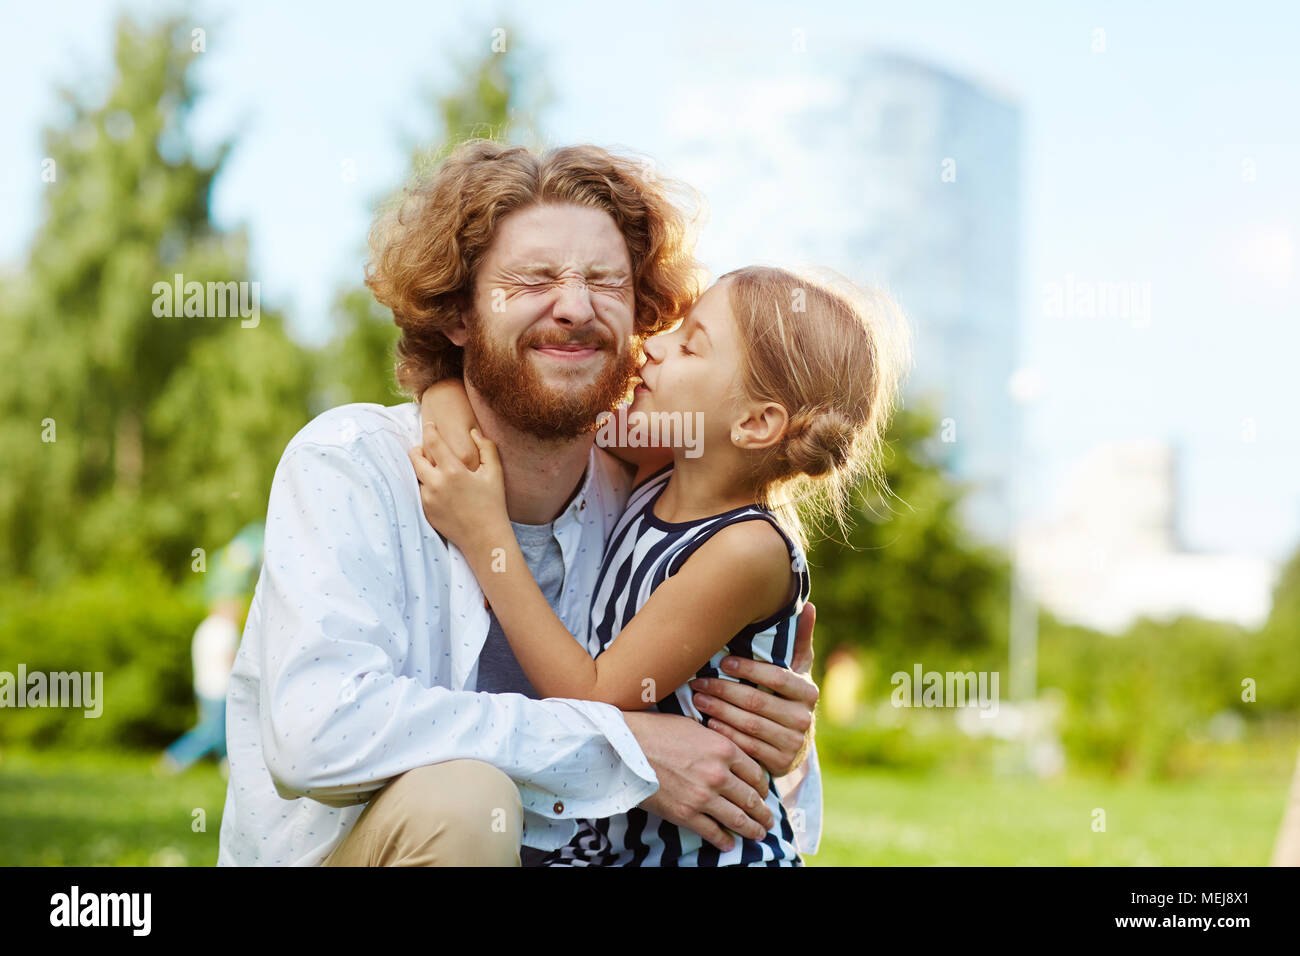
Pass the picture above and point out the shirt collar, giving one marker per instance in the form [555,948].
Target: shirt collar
[580,506]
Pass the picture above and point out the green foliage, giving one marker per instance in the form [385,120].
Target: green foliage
[359,363]
[161,433]
[1163,700]
[130,624]
[1144,702]
[1274,657]
[907,577]
[925,741]
[501,92]
[166,429]
[225,423]
[499,96]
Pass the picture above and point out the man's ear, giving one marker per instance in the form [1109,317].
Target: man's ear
[762,427]
[458,334]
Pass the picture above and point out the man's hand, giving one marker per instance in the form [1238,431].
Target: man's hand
[705,782]
[775,729]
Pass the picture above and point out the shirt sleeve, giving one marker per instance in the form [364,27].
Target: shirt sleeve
[338,719]
[803,802]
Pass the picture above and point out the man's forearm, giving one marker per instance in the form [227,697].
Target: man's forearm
[339,750]
[706,782]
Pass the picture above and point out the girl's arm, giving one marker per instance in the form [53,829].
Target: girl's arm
[445,404]
[740,575]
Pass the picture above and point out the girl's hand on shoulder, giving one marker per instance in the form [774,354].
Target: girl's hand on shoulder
[447,404]
[468,507]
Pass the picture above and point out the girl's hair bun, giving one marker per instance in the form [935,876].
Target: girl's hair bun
[832,354]
[819,441]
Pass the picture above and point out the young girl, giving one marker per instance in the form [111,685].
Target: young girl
[792,381]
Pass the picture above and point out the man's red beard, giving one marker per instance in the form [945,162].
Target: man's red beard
[513,389]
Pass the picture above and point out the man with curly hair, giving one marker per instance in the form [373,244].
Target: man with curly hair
[376,713]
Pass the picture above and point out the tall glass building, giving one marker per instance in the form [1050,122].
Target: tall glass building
[896,174]
[936,187]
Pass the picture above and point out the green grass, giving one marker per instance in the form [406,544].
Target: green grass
[883,818]
[95,809]
[69,808]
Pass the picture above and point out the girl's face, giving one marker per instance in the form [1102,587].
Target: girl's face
[696,367]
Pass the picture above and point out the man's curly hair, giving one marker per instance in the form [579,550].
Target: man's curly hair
[426,249]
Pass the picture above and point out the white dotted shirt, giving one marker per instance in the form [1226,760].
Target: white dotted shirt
[362,644]
[361,651]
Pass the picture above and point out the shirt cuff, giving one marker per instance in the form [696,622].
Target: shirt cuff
[549,817]
[804,806]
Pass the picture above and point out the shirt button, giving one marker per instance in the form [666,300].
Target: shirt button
[583,505]
[559,806]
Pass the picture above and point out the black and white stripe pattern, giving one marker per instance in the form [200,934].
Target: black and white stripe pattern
[642,553]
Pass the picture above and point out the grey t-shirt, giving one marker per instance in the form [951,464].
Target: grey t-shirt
[498,670]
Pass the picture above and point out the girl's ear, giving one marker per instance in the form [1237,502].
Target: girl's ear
[762,427]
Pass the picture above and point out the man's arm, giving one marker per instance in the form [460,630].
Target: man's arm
[703,777]
[777,729]
[338,720]
[705,781]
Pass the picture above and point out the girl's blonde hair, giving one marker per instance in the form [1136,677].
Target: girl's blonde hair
[833,355]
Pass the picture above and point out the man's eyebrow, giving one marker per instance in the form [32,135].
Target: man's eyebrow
[532,269]
[602,272]
[544,269]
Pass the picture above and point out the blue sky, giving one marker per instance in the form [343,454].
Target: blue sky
[1133,165]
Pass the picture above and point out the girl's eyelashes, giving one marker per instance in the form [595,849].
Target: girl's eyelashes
[685,350]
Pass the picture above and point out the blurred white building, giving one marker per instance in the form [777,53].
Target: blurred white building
[896,174]
[1112,553]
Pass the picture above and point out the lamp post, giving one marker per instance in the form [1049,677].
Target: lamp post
[1024,387]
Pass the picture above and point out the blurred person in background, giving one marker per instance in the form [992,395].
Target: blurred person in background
[842,687]
[229,585]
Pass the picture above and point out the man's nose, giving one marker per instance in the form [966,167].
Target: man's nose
[573,305]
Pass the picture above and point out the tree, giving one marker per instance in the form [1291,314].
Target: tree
[907,576]
[499,96]
[119,391]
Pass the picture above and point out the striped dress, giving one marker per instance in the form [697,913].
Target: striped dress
[642,553]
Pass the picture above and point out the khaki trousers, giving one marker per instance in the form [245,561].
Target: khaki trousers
[457,813]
